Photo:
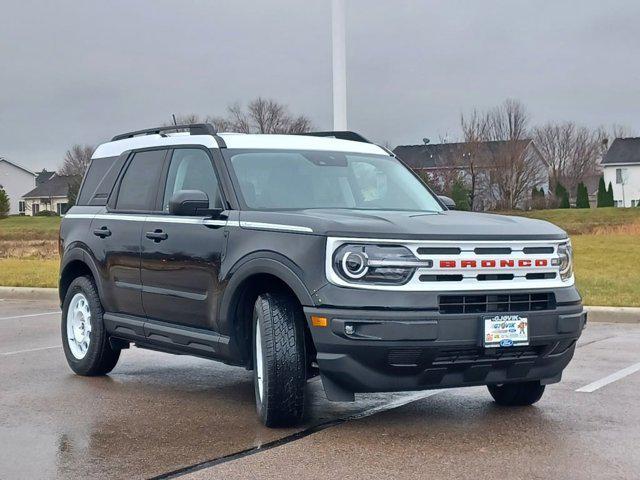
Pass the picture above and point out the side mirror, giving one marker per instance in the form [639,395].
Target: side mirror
[189,203]
[448,202]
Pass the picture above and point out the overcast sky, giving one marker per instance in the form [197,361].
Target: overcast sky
[82,71]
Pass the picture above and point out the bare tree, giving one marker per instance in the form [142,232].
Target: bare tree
[76,160]
[501,154]
[570,152]
[262,115]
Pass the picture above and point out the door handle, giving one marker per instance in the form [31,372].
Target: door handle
[102,232]
[157,235]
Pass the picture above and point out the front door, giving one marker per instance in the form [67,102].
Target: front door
[181,256]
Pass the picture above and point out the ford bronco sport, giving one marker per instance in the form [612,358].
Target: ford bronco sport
[299,255]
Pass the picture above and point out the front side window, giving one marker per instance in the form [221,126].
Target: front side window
[314,179]
[139,184]
[191,169]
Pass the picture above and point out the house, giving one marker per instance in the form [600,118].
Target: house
[621,166]
[15,180]
[482,166]
[51,195]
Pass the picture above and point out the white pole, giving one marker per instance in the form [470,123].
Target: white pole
[339,65]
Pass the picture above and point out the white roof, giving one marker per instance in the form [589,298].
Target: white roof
[239,140]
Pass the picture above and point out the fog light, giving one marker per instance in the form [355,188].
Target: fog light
[349,329]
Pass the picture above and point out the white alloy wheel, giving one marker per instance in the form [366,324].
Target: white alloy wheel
[79,325]
[259,362]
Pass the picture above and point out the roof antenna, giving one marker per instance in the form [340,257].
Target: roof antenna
[173,115]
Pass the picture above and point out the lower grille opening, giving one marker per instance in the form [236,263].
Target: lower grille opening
[440,278]
[484,277]
[496,303]
[540,276]
[477,354]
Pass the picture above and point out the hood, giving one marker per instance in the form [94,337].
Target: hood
[449,224]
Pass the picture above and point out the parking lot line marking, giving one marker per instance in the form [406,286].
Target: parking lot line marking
[625,372]
[17,352]
[29,315]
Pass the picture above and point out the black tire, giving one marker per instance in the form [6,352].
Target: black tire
[516,394]
[99,358]
[281,326]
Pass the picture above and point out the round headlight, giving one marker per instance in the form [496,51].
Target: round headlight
[355,264]
[565,254]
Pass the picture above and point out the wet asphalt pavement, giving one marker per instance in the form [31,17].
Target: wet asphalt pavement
[158,413]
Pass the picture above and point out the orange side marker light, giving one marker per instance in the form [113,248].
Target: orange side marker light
[319,321]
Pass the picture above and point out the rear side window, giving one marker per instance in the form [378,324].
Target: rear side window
[191,169]
[139,185]
[96,172]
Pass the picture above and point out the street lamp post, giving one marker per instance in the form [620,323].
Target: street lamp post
[339,65]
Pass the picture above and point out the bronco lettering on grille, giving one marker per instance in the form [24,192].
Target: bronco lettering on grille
[500,263]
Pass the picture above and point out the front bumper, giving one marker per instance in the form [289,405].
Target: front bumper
[396,350]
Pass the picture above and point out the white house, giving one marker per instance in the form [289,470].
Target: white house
[15,180]
[51,195]
[622,169]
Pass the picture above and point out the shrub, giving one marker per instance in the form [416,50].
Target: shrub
[46,213]
[538,200]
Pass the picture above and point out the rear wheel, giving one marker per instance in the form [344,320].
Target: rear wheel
[279,366]
[84,338]
[516,394]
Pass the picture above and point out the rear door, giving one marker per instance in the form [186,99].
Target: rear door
[117,231]
[181,255]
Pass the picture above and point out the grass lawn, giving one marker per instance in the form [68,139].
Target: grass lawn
[29,272]
[29,228]
[608,269]
[578,221]
[606,243]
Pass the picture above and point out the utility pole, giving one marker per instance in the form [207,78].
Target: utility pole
[339,65]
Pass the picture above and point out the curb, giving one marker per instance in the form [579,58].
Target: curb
[595,314]
[29,293]
[613,314]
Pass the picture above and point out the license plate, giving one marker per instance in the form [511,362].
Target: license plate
[505,331]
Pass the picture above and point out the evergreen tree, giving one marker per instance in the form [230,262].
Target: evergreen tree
[5,206]
[460,195]
[602,193]
[610,201]
[582,197]
[563,196]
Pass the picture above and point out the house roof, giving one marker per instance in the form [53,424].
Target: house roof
[43,176]
[623,150]
[441,155]
[56,186]
[17,165]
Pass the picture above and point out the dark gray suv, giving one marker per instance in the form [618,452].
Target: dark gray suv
[299,255]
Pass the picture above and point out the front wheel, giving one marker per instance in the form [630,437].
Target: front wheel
[279,366]
[516,394]
[84,338]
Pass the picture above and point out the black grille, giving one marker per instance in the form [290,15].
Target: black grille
[514,302]
[467,355]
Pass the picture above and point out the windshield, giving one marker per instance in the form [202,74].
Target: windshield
[273,180]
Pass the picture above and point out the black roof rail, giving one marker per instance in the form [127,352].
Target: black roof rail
[340,135]
[193,128]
